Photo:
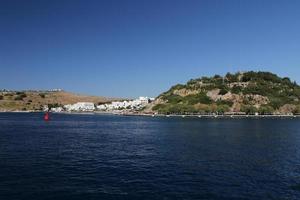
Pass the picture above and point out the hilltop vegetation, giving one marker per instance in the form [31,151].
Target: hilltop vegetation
[249,92]
[35,100]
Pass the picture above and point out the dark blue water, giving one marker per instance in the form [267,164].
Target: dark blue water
[118,157]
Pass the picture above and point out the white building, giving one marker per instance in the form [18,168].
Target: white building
[80,106]
[102,107]
[57,109]
[134,104]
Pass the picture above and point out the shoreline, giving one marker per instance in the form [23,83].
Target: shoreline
[213,116]
[165,116]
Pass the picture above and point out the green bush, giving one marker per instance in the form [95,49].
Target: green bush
[54,105]
[173,98]
[221,109]
[18,98]
[280,100]
[20,93]
[23,95]
[174,109]
[236,89]
[217,77]
[205,79]
[261,76]
[223,91]
[248,109]
[296,92]
[265,110]
[191,82]
[297,110]
[177,87]
[197,98]
[158,107]
[223,102]
[231,78]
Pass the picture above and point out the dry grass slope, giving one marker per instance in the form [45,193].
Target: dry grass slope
[34,100]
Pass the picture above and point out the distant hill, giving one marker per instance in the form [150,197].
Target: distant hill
[34,100]
[248,93]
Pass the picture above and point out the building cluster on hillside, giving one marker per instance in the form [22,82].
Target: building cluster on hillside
[135,104]
[80,106]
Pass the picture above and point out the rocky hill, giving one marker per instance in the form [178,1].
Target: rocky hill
[35,100]
[247,93]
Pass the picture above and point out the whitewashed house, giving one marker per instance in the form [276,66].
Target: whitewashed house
[134,104]
[80,106]
[57,109]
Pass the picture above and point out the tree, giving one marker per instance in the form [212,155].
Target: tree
[265,110]
[221,109]
[18,98]
[231,78]
[248,109]
[223,91]
[236,89]
[297,110]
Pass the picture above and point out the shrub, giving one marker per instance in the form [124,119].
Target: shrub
[18,98]
[177,87]
[297,110]
[197,98]
[174,108]
[223,102]
[1,97]
[221,109]
[190,82]
[158,106]
[202,108]
[287,81]
[23,95]
[203,98]
[296,92]
[181,109]
[19,93]
[231,78]
[42,95]
[265,109]
[217,76]
[206,79]
[54,105]
[173,98]
[248,109]
[236,89]
[223,91]
[277,102]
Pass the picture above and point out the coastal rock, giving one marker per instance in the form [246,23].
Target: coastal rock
[214,94]
[287,109]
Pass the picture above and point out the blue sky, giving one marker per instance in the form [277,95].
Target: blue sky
[128,48]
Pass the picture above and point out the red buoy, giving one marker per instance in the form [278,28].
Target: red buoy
[46,116]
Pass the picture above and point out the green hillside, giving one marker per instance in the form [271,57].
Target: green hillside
[248,93]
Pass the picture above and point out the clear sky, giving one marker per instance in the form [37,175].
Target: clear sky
[127,48]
